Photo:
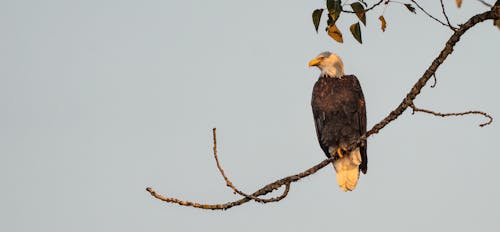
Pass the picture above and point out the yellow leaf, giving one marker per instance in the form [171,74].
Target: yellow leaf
[459,3]
[384,23]
[335,33]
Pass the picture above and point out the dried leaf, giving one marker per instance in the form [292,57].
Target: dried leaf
[410,8]
[356,32]
[316,15]
[360,11]
[383,22]
[497,23]
[335,33]
[459,3]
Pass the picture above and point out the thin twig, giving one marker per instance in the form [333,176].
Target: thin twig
[485,3]
[435,80]
[490,118]
[446,17]
[366,10]
[432,17]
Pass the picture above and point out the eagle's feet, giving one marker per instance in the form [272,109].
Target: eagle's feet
[341,152]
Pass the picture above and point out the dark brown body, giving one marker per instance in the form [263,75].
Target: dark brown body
[339,112]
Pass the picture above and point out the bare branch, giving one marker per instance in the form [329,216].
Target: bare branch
[447,50]
[262,191]
[195,204]
[432,17]
[490,118]
[485,3]
[446,17]
[494,13]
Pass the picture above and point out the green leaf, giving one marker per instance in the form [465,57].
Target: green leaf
[360,11]
[356,32]
[333,4]
[316,15]
[410,8]
[334,9]
[330,21]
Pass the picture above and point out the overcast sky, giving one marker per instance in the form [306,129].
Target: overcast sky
[101,99]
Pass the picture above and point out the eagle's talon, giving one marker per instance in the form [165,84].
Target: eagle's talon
[339,152]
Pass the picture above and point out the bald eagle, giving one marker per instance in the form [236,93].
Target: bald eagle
[339,111]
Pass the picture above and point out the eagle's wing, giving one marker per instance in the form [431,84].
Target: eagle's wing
[325,114]
[361,114]
[320,119]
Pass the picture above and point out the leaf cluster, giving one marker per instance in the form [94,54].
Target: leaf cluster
[334,11]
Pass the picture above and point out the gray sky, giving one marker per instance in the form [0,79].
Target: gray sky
[100,99]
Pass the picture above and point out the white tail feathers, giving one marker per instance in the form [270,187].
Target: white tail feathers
[347,169]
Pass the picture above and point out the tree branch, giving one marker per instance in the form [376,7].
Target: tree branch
[262,191]
[447,50]
[494,13]
[490,118]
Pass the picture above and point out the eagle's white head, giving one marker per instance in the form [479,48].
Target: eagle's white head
[329,63]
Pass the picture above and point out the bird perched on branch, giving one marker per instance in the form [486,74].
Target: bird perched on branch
[339,113]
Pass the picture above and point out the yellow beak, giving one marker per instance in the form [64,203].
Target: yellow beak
[314,62]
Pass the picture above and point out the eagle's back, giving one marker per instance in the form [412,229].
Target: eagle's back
[339,113]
